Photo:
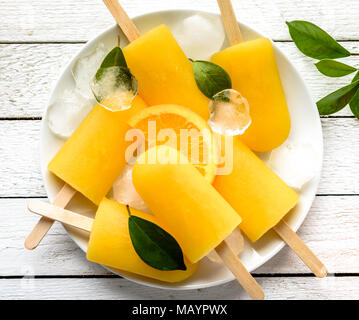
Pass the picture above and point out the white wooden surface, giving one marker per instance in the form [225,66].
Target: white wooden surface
[38,37]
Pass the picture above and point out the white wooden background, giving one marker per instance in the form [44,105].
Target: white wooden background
[38,37]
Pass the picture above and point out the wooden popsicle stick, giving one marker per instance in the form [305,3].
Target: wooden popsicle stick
[44,224]
[123,20]
[238,269]
[301,249]
[235,240]
[230,22]
[234,36]
[53,212]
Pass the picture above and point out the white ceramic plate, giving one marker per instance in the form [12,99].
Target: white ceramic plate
[306,127]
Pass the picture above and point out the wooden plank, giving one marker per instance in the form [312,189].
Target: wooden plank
[29,71]
[66,20]
[19,142]
[56,255]
[330,230]
[20,171]
[274,288]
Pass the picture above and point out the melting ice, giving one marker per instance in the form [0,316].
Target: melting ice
[85,68]
[66,113]
[199,36]
[114,87]
[125,192]
[229,113]
[295,163]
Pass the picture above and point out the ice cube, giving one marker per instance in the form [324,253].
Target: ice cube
[295,163]
[125,192]
[199,36]
[66,113]
[229,113]
[114,87]
[86,67]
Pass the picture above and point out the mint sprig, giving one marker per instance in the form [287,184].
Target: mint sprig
[314,42]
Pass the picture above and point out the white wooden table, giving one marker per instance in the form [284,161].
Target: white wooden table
[38,37]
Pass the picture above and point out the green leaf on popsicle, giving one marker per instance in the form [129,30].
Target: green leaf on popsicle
[332,68]
[338,99]
[114,58]
[155,246]
[210,78]
[314,42]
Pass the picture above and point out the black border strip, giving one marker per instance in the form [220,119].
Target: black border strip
[113,276]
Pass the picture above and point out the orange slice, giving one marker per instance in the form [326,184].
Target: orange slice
[182,129]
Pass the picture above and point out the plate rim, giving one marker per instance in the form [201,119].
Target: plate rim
[295,224]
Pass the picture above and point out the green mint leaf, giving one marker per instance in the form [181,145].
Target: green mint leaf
[110,79]
[210,78]
[114,58]
[338,99]
[356,77]
[314,42]
[155,246]
[332,68]
[354,104]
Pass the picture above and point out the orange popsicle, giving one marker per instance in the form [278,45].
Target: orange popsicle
[254,73]
[163,71]
[193,211]
[259,196]
[110,243]
[92,158]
